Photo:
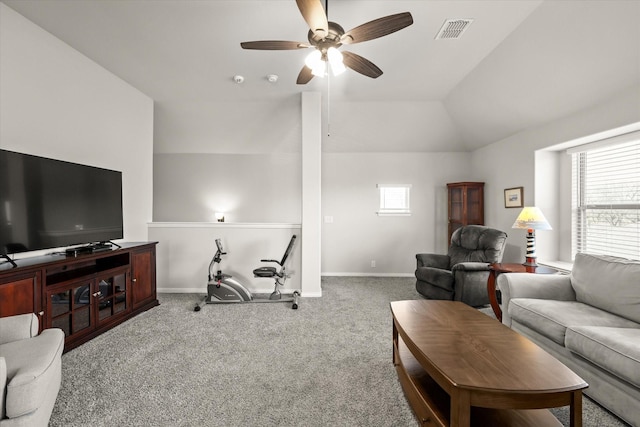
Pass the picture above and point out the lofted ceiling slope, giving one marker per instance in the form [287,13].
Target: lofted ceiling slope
[520,64]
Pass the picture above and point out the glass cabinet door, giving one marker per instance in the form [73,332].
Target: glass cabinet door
[112,296]
[466,205]
[70,308]
[475,211]
[456,204]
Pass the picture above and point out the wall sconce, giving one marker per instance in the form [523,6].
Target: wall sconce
[220,216]
[531,219]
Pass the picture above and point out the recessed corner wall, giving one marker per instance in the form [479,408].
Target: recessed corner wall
[356,235]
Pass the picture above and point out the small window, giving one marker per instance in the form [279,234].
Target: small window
[394,199]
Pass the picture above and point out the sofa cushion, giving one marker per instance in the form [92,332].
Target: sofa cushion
[29,365]
[609,283]
[615,349]
[551,318]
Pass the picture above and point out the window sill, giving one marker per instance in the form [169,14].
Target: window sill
[562,266]
[393,213]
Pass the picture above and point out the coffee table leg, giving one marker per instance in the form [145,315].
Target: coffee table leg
[395,344]
[491,290]
[575,409]
[460,409]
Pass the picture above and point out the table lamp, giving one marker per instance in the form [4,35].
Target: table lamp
[531,219]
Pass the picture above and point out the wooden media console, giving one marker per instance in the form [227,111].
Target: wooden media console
[83,295]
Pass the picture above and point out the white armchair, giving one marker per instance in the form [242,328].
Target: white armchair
[30,371]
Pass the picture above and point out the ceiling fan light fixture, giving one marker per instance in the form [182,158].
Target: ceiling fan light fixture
[335,60]
[315,62]
[320,70]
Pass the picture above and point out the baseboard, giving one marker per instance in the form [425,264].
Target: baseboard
[350,274]
[202,291]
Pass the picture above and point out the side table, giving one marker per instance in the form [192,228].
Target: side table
[497,268]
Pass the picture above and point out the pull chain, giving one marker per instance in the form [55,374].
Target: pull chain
[328,104]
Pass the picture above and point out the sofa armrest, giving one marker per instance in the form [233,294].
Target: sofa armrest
[433,260]
[471,266]
[34,369]
[471,283]
[537,286]
[19,327]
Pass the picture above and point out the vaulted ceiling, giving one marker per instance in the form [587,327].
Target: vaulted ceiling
[520,64]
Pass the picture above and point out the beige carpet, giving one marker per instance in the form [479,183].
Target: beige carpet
[326,364]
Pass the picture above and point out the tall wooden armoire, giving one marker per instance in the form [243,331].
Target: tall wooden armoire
[466,205]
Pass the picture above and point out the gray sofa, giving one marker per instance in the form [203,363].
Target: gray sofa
[30,371]
[589,320]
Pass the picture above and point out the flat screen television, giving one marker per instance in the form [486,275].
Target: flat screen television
[47,203]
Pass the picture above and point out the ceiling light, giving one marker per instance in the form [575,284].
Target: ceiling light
[317,64]
[335,59]
[272,78]
[238,79]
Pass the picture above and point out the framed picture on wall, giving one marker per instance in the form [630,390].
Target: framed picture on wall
[513,197]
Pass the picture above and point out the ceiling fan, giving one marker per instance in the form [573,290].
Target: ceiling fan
[326,37]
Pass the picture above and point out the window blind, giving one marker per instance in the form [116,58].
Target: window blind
[394,199]
[606,200]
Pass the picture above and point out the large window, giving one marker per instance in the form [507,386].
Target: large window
[606,197]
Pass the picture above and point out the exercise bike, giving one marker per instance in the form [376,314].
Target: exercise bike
[224,289]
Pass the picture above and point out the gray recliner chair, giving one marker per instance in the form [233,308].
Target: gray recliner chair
[462,274]
[30,371]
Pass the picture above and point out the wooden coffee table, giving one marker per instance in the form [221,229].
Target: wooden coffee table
[459,367]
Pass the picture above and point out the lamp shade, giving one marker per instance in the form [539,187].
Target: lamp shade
[531,218]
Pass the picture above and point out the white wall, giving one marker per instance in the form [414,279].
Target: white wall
[246,187]
[357,235]
[55,102]
[349,194]
[512,163]
[186,250]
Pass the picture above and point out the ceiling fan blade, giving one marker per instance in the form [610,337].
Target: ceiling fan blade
[313,12]
[273,45]
[377,28]
[305,76]
[361,65]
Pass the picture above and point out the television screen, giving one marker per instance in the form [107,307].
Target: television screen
[47,203]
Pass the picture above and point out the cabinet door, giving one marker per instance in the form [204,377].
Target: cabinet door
[21,294]
[457,210]
[70,308]
[111,296]
[143,277]
[456,205]
[475,205]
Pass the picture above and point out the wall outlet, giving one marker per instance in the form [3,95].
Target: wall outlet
[328,219]
[373,263]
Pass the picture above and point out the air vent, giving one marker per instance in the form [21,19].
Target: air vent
[453,28]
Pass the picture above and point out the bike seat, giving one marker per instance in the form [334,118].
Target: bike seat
[265,272]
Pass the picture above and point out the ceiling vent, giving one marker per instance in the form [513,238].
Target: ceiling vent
[453,28]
